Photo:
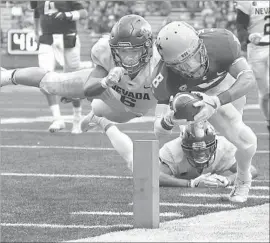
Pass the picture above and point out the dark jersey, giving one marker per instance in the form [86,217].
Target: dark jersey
[45,10]
[223,48]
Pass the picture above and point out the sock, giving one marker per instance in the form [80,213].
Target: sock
[244,159]
[7,77]
[55,109]
[77,111]
[122,144]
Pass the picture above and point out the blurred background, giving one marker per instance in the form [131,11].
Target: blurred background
[17,15]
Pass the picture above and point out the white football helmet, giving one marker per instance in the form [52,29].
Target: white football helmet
[182,50]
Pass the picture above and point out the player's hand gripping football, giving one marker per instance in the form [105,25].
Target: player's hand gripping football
[113,77]
[170,119]
[208,106]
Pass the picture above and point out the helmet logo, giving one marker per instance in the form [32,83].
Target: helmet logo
[124,44]
[183,87]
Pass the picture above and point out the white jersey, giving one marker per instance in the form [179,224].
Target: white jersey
[139,100]
[259,13]
[172,155]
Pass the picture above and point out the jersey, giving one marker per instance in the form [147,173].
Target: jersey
[45,10]
[172,155]
[259,17]
[222,47]
[139,100]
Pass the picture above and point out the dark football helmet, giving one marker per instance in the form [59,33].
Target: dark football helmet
[131,43]
[199,144]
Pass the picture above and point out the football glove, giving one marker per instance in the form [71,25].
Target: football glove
[209,105]
[63,16]
[215,180]
[197,182]
[255,38]
[113,77]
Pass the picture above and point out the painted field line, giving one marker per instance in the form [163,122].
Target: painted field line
[65,176]
[205,195]
[263,188]
[81,148]
[109,213]
[53,226]
[99,131]
[195,205]
[57,147]
[86,176]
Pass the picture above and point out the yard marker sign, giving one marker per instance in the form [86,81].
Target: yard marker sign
[146,184]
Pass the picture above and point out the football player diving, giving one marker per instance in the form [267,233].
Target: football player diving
[253,31]
[208,62]
[119,86]
[197,158]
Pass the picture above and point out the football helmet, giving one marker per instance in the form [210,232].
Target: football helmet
[182,50]
[199,144]
[131,42]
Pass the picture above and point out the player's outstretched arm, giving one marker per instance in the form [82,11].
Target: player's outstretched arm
[99,80]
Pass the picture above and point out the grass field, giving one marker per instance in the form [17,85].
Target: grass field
[62,187]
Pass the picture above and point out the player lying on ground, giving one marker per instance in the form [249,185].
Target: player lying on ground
[208,62]
[127,55]
[253,31]
[197,158]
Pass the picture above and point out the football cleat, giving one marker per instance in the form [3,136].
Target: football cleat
[57,125]
[90,121]
[7,77]
[76,129]
[239,193]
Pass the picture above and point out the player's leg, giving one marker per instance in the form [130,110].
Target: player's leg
[72,61]
[69,85]
[228,121]
[258,57]
[119,140]
[46,60]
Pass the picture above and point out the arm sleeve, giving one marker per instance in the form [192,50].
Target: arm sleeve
[242,22]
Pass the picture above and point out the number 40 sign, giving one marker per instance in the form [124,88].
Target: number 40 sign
[22,42]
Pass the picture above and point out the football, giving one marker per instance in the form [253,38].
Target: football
[182,105]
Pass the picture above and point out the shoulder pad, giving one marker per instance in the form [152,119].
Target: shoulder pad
[228,48]
[101,53]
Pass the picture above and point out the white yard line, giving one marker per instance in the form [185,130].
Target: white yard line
[53,226]
[81,148]
[94,176]
[98,131]
[109,213]
[195,205]
[65,176]
[57,147]
[205,195]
